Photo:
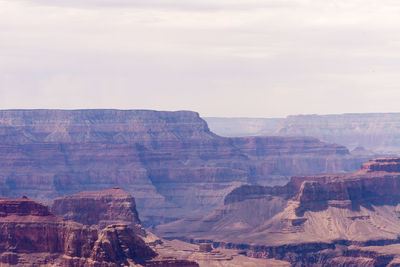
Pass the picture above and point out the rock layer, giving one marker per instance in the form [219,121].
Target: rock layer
[121,205]
[311,220]
[28,229]
[30,235]
[98,208]
[173,164]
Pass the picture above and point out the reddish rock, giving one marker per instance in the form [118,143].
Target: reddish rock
[382,164]
[118,244]
[98,208]
[29,233]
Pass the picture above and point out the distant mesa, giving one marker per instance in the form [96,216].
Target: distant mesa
[377,132]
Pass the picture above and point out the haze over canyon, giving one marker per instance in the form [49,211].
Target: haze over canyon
[142,180]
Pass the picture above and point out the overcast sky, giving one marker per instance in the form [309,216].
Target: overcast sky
[237,58]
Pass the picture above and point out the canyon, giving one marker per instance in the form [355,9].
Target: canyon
[116,207]
[170,161]
[378,132]
[203,199]
[316,220]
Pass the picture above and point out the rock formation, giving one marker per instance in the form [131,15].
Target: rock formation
[329,219]
[119,203]
[173,164]
[31,235]
[374,131]
[98,208]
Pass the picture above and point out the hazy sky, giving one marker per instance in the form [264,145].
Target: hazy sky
[255,58]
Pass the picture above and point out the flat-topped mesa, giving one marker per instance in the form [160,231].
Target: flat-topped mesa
[391,164]
[95,125]
[22,207]
[98,208]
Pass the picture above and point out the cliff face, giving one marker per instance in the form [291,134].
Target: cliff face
[316,219]
[98,208]
[30,235]
[170,161]
[28,227]
[375,131]
[118,243]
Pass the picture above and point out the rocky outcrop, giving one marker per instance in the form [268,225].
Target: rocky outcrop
[30,235]
[118,243]
[98,208]
[314,220]
[382,164]
[29,232]
[173,164]
[28,227]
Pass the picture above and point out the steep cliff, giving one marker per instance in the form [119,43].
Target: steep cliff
[316,219]
[170,161]
[98,208]
[30,235]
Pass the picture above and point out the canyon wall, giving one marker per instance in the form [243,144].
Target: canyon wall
[173,164]
[379,132]
[314,220]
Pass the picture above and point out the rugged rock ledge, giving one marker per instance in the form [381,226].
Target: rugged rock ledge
[98,208]
[311,221]
[30,234]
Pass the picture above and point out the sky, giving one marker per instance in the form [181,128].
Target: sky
[226,58]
